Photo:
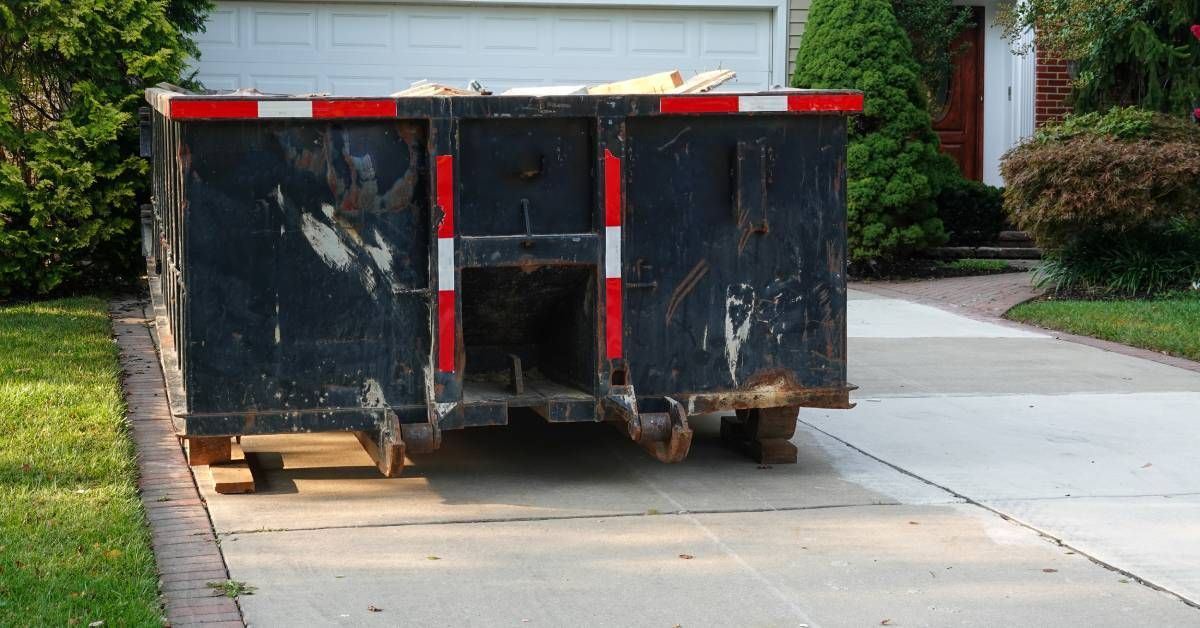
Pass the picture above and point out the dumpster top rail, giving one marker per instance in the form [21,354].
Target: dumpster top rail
[240,106]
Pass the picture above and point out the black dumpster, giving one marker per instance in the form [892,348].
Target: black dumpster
[397,267]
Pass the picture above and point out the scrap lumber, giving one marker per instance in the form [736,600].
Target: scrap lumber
[703,82]
[426,88]
[547,90]
[204,450]
[233,477]
[388,456]
[660,83]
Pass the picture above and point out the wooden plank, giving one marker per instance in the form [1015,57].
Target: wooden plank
[547,90]
[389,459]
[425,88]
[204,450]
[703,82]
[233,477]
[659,83]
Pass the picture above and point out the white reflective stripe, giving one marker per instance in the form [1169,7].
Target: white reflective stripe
[612,252]
[445,255]
[762,103]
[285,108]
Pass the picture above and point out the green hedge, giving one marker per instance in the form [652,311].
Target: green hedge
[71,77]
[1113,199]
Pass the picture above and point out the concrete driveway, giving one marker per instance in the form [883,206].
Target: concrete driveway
[936,502]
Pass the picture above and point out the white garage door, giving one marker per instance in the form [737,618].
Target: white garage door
[377,49]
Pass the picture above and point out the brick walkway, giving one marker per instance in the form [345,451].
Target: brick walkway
[184,544]
[988,297]
[992,295]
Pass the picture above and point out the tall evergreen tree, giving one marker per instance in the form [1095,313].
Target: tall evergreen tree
[71,77]
[894,167]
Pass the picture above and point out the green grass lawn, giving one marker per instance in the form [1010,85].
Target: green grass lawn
[74,546]
[1171,325]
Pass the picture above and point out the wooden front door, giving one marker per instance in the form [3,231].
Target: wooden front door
[958,103]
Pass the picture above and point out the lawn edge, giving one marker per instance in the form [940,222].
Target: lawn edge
[186,551]
[1058,334]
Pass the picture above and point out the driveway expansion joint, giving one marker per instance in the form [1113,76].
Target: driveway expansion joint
[1046,535]
[615,515]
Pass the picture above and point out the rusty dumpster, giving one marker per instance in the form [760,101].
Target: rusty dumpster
[401,267]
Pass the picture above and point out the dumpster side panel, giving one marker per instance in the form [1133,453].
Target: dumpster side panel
[307,258]
[735,254]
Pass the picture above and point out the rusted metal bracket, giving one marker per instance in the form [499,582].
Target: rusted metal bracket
[666,435]
[516,377]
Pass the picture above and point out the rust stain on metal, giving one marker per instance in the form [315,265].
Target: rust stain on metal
[686,286]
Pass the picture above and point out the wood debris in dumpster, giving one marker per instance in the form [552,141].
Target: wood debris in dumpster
[669,82]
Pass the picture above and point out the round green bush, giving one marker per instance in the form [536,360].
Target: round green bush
[1122,171]
[1113,200]
[894,168]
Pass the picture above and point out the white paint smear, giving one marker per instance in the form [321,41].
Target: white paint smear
[382,256]
[325,241]
[739,305]
[372,394]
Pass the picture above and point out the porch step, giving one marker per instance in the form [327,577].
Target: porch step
[1014,236]
[985,252]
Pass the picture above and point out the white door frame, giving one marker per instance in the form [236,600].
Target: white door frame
[779,16]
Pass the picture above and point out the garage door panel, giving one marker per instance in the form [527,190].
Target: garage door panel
[372,49]
[221,29]
[658,37]
[281,28]
[361,30]
[585,36]
[445,33]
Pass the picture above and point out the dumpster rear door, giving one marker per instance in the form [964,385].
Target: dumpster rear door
[735,255]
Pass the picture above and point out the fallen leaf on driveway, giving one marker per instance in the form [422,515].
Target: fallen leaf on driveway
[433,557]
[914,523]
[1050,570]
[886,622]
[374,609]
[1147,465]
[686,556]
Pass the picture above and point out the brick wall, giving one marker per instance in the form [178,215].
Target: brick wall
[1053,88]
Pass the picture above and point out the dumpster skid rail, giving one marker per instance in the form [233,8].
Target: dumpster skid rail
[400,267]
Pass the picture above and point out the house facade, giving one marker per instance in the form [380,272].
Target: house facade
[377,47]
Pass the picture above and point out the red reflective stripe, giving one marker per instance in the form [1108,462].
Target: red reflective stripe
[697,104]
[612,189]
[354,108]
[446,321]
[847,103]
[825,102]
[446,329]
[612,315]
[185,109]
[445,194]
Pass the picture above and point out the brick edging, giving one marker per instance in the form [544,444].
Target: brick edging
[1097,343]
[185,545]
